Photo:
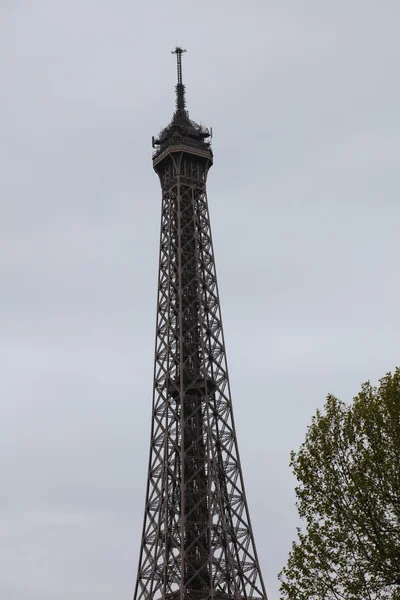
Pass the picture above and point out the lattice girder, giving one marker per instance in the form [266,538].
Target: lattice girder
[197,539]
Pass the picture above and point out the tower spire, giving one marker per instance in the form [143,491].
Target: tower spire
[180,88]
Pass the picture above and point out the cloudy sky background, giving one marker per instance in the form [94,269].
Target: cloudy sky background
[303,98]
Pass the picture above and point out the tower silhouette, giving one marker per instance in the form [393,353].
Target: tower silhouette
[197,541]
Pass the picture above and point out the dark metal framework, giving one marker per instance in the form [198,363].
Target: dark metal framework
[197,540]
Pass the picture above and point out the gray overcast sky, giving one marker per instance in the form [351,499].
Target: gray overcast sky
[303,98]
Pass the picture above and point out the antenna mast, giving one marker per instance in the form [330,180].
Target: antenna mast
[180,88]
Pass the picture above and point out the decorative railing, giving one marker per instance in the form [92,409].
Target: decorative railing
[203,148]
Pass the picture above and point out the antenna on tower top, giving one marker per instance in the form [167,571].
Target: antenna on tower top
[180,88]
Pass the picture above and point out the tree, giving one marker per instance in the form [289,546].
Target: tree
[348,496]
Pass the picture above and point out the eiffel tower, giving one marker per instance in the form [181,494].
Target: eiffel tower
[197,541]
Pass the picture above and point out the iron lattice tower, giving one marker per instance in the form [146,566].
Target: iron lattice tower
[197,540]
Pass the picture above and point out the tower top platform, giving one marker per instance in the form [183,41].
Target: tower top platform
[182,134]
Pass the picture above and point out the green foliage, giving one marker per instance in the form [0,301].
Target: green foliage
[348,496]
